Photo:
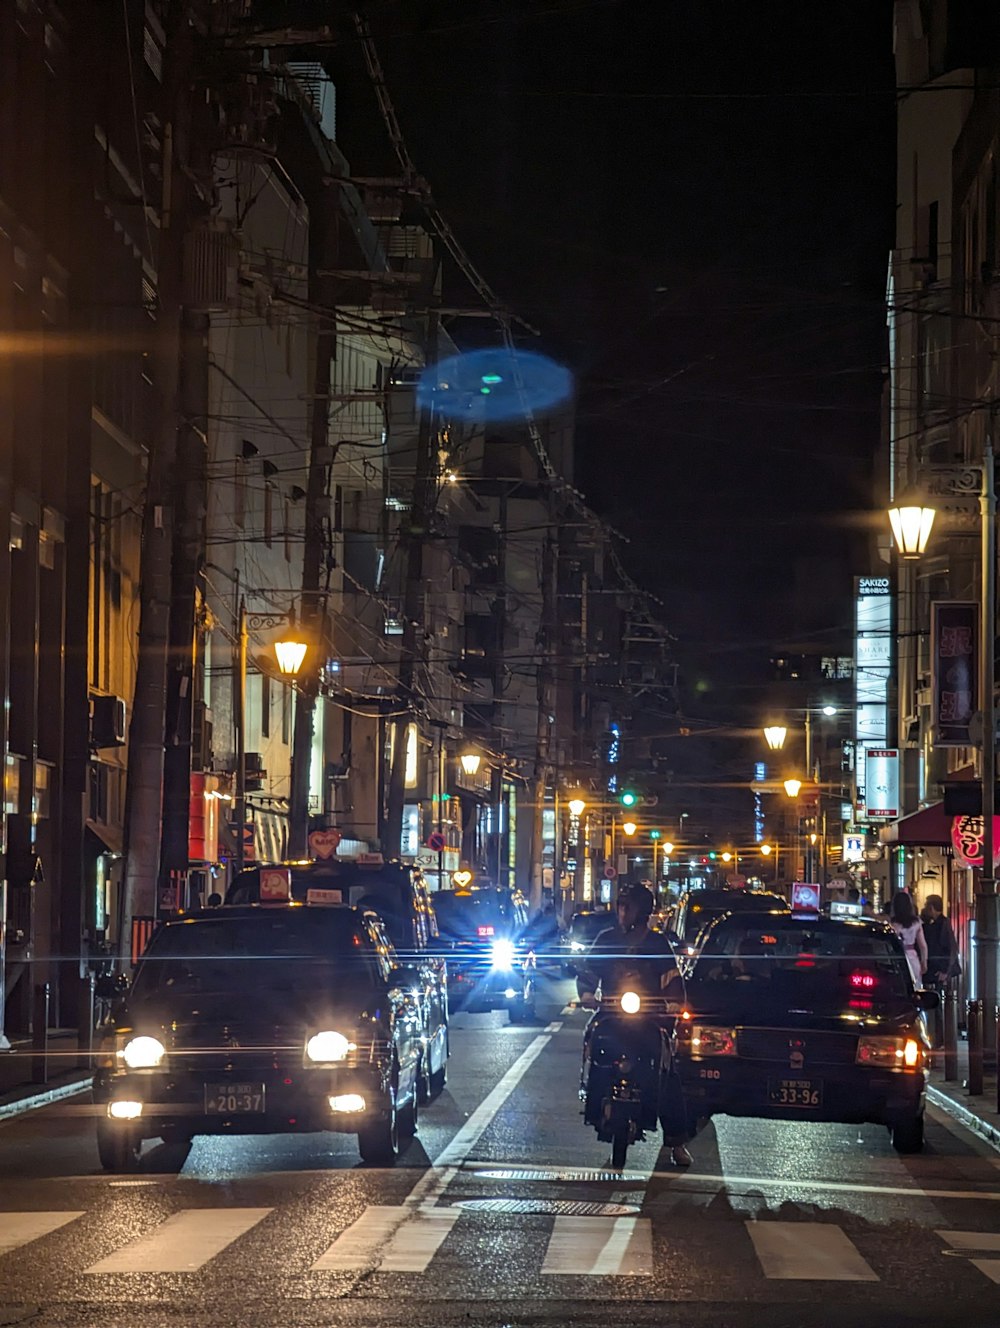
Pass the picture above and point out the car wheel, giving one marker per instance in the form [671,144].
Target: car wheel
[908,1134]
[378,1141]
[424,1087]
[118,1148]
[439,1078]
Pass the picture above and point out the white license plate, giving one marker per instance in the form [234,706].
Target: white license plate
[233,1099]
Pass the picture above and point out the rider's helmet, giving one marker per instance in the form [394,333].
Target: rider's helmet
[640,898]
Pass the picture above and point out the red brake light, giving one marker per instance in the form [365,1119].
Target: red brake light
[484,931]
[864,980]
[805,961]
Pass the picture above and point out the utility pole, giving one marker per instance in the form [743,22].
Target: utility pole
[312,613]
[986,897]
[543,726]
[144,792]
[416,534]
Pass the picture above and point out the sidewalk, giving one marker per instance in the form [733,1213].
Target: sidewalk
[978,1113]
[66,1074]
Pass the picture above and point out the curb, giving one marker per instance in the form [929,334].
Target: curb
[985,1129]
[42,1099]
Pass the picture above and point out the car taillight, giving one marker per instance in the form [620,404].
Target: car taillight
[889,1053]
[709,1041]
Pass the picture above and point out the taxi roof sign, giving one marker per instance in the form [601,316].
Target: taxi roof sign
[275,885]
[325,897]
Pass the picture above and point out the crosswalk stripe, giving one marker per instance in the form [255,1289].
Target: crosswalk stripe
[18,1229]
[988,1242]
[395,1238]
[416,1242]
[811,1251]
[354,1248]
[183,1243]
[600,1246]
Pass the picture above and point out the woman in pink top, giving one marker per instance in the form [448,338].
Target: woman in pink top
[906,924]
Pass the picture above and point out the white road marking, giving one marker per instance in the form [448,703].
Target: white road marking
[183,1243]
[808,1251]
[820,1186]
[407,1246]
[17,1229]
[985,1241]
[600,1247]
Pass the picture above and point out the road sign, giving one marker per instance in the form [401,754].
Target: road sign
[436,841]
[609,873]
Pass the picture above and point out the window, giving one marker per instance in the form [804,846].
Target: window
[265,706]
[239,495]
[268,513]
[286,715]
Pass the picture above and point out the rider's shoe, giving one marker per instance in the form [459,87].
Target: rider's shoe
[681,1156]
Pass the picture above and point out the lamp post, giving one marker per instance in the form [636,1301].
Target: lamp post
[577,806]
[290,652]
[912,520]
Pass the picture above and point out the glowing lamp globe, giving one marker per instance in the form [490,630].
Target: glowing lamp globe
[470,762]
[911,523]
[290,652]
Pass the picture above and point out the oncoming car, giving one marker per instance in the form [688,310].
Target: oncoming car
[795,1018]
[490,965]
[264,1019]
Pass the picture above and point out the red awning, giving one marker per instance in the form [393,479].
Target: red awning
[923,829]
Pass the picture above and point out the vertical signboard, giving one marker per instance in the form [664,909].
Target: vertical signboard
[873,664]
[954,671]
[881,784]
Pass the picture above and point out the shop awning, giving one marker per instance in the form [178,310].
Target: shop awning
[108,837]
[924,829]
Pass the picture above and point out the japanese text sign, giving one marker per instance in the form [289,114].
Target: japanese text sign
[955,643]
[967,840]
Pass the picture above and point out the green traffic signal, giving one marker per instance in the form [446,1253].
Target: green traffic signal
[654,834]
[628,798]
[713,856]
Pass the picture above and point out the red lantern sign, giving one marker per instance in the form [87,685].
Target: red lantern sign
[967,840]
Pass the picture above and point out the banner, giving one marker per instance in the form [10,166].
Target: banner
[967,840]
[881,784]
[954,670]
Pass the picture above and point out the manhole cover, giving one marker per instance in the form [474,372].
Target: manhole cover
[559,1207]
[639,1177]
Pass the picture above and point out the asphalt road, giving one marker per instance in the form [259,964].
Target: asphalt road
[500,1212]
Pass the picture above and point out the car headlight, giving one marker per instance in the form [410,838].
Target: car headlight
[630,1002]
[141,1053]
[328,1046]
[889,1053]
[502,953]
[709,1041]
[577,947]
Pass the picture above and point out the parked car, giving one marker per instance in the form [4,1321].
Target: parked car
[806,1018]
[400,897]
[262,1019]
[491,965]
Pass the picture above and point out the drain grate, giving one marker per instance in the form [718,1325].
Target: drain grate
[639,1177]
[559,1207]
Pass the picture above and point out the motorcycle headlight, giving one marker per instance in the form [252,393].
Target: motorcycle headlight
[889,1053]
[709,1041]
[327,1047]
[502,953]
[141,1053]
[630,1002]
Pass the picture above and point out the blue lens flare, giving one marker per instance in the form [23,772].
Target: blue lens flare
[494,385]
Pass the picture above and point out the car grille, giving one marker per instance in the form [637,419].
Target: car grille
[780,1044]
[257,1058]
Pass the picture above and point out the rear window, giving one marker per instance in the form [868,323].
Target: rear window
[705,909]
[787,963]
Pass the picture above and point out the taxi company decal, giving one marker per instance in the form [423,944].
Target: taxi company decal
[275,883]
[967,839]
[805,897]
[323,843]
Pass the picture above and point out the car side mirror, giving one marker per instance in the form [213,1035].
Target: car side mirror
[928,999]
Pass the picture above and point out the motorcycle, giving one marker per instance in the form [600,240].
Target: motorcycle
[627,1056]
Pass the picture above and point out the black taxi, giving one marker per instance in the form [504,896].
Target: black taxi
[794,1017]
[262,1019]
[400,896]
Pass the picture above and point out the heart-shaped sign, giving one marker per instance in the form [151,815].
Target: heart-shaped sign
[323,843]
[461,878]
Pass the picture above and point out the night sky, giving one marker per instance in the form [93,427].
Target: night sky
[693,201]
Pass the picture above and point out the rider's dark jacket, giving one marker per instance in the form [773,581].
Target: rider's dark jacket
[638,957]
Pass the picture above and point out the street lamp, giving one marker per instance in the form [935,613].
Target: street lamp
[577,807]
[470,762]
[792,787]
[775,735]
[911,522]
[290,651]
[629,828]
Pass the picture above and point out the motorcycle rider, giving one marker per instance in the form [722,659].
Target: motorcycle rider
[616,949]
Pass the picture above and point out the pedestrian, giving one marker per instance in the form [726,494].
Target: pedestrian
[905,923]
[943,964]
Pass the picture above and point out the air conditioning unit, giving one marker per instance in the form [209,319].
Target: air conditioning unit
[107,721]
[253,765]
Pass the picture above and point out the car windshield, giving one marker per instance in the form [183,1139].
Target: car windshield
[268,950]
[832,965]
[477,916]
[703,909]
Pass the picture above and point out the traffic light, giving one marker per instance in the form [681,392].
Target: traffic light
[654,834]
[713,856]
[628,798]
